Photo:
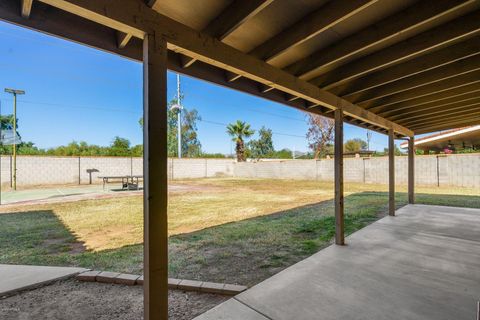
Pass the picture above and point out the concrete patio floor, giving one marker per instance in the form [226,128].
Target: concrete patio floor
[15,278]
[422,264]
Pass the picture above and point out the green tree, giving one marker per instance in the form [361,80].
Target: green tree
[283,154]
[120,147]
[354,145]
[396,151]
[191,146]
[239,130]
[263,146]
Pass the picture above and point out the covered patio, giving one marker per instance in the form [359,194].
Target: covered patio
[397,67]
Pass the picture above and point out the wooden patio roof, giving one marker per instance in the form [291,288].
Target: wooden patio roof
[410,66]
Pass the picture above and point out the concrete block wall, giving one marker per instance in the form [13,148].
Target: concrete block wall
[46,170]
[461,170]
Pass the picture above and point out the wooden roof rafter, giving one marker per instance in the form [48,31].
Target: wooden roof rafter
[386,63]
[184,40]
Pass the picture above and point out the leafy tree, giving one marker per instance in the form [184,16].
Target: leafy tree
[320,134]
[283,154]
[191,146]
[396,151]
[213,155]
[120,147]
[354,145]
[263,147]
[239,130]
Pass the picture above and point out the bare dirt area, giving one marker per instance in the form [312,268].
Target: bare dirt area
[71,299]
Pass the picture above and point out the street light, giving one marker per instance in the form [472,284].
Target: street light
[15,93]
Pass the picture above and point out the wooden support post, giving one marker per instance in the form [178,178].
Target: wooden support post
[411,170]
[391,172]
[155,268]
[339,205]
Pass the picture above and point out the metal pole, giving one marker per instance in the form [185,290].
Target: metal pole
[14,92]
[179,120]
[14,141]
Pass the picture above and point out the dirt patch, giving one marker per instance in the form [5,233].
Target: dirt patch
[72,299]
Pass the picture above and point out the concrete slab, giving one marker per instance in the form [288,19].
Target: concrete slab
[422,264]
[232,310]
[15,278]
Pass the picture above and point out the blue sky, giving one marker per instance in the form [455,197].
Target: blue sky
[77,93]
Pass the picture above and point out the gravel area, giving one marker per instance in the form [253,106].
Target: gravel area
[71,299]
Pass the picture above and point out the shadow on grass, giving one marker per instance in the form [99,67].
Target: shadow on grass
[33,237]
[245,252]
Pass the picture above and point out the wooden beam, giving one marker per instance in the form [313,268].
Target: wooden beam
[152,3]
[230,19]
[426,109]
[122,39]
[231,76]
[446,115]
[431,76]
[416,16]
[234,16]
[441,57]
[263,88]
[309,26]
[55,22]
[26,8]
[339,197]
[428,100]
[411,170]
[426,90]
[155,194]
[422,113]
[449,125]
[58,23]
[391,173]
[197,45]
[428,41]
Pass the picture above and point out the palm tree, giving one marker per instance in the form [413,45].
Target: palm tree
[238,131]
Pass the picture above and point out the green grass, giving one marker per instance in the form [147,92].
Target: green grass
[238,231]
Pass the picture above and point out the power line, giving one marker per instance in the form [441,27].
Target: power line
[133,112]
[76,107]
[273,132]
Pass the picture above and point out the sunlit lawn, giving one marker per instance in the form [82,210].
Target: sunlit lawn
[234,230]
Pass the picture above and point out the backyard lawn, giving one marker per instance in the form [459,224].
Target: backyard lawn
[223,230]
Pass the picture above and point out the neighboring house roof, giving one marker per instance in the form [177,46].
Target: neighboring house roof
[453,139]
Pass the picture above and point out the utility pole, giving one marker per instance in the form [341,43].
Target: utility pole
[369,137]
[178,106]
[14,92]
[179,121]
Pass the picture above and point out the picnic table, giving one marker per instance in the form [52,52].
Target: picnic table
[129,182]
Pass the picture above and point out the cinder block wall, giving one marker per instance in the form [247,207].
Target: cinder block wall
[461,170]
[46,170]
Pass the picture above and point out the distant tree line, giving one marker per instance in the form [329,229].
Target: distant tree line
[320,135]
